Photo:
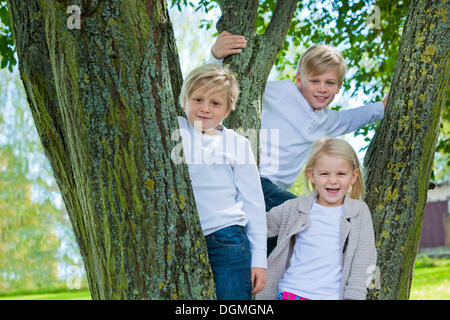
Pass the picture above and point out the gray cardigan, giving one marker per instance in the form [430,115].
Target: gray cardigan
[357,244]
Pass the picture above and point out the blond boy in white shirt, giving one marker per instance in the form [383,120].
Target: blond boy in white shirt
[298,114]
[225,181]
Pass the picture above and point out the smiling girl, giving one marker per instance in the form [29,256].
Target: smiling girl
[326,243]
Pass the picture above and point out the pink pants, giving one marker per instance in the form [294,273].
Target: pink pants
[289,296]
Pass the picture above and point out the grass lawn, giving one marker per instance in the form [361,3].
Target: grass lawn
[431,281]
[73,295]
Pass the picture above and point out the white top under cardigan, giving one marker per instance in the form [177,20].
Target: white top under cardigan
[315,268]
[226,184]
[289,127]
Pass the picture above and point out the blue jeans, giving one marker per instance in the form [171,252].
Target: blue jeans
[230,258]
[273,197]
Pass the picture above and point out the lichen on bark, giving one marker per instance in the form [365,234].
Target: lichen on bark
[400,156]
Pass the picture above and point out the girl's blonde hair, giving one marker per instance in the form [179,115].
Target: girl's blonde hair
[211,76]
[338,148]
[320,59]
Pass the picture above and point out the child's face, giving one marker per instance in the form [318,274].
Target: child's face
[208,107]
[319,90]
[332,177]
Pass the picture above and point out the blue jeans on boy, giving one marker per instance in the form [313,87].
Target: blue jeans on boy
[230,258]
[273,197]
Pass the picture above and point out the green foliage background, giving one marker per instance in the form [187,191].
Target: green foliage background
[33,223]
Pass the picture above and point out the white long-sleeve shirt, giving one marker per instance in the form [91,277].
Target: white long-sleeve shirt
[289,127]
[287,112]
[226,184]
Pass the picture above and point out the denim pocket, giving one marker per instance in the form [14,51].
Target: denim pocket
[230,236]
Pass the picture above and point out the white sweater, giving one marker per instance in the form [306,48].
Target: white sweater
[226,184]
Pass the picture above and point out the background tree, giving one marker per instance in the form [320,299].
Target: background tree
[31,218]
[27,230]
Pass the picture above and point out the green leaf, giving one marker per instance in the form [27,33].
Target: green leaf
[4,16]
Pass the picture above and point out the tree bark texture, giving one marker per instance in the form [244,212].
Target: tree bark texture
[253,65]
[399,160]
[104,100]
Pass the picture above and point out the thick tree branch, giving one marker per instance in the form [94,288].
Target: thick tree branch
[278,27]
[238,17]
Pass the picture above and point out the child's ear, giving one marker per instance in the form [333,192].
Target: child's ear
[228,112]
[298,81]
[339,87]
[310,174]
[355,176]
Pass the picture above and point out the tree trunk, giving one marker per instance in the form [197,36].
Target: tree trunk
[104,102]
[399,160]
[253,65]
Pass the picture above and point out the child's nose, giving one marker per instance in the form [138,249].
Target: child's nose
[322,86]
[333,179]
[205,107]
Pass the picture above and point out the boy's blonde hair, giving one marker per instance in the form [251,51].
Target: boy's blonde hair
[319,59]
[338,148]
[211,76]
